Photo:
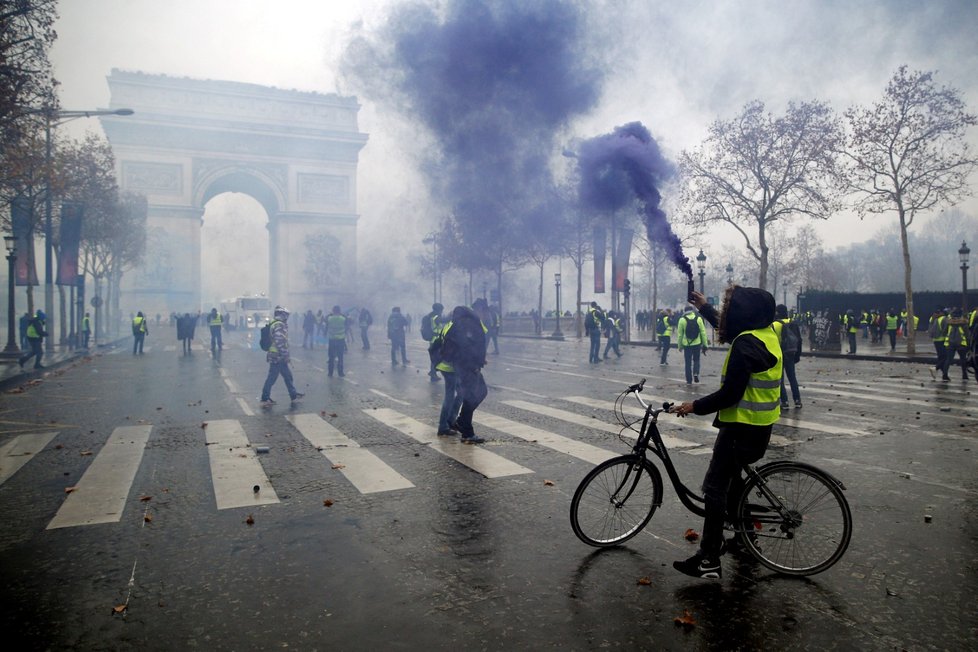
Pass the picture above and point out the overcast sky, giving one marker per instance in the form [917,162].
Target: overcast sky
[677,65]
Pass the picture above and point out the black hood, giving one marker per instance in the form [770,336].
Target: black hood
[745,309]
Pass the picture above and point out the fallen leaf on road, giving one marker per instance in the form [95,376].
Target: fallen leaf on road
[327,503]
[119,608]
[339,466]
[250,520]
[203,425]
[332,414]
[68,490]
[691,535]
[86,452]
[59,447]
[686,621]
[548,483]
[148,518]
[644,581]
[143,499]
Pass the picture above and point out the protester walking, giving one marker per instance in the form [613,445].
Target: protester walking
[956,342]
[396,327]
[139,332]
[430,327]
[612,329]
[365,321]
[935,330]
[35,336]
[452,402]
[336,340]
[278,358]
[789,335]
[464,348]
[215,322]
[86,329]
[593,323]
[692,341]
[664,328]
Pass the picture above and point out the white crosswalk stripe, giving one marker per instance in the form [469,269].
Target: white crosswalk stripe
[559,443]
[101,494]
[235,468]
[21,449]
[475,457]
[365,471]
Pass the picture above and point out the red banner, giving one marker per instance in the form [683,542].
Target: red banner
[600,245]
[20,216]
[71,220]
[619,262]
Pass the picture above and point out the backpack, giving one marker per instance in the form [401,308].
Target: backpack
[427,327]
[265,338]
[660,326]
[464,345]
[691,329]
[790,338]
[595,319]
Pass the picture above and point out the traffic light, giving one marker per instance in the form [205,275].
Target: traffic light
[628,287]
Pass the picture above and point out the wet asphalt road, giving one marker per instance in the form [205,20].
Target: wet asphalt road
[460,560]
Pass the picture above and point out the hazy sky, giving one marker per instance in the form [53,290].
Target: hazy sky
[677,66]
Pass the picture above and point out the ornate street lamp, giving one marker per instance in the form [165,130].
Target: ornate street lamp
[557,335]
[963,255]
[701,264]
[11,350]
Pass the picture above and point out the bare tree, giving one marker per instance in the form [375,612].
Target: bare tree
[907,154]
[757,169]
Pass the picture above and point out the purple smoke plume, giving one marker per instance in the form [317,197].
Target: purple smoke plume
[625,165]
[494,83]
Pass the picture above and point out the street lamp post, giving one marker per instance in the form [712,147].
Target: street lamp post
[963,255]
[729,274]
[701,264]
[53,118]
[557,335]
[11,350]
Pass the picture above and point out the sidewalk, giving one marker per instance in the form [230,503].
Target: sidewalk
[11,375]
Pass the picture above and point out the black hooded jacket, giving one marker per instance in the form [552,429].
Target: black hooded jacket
[747,309]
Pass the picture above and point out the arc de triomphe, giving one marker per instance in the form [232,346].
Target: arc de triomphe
[189,140]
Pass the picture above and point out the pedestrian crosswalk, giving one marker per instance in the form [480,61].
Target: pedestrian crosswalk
[578,427]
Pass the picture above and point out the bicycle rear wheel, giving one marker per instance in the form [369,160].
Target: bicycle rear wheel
[615,501]
[818,526]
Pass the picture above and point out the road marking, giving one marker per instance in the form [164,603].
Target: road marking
[473,456]
[669,440]
[561,444]
[365,471]
[388,397]
[101,494]
[235,468]
[960,412]
[19,450]
[245,407]
[518,391]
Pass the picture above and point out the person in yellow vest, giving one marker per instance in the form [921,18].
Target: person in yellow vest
[215,323]
[935,330]
[35,335]
[140,330]
[336,340]
[892,321]
[747,406]
[956,342]
[664,326]
[87,329]
[850,325]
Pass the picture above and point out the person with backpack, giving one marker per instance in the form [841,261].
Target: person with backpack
[452,403]
[790,337]
[277,356]
[612,329]
[593,323]
[215,322]
[956,342]
[463,351]
[336,340]
[663,327]
[35,335]
[692,340]
[746,406]
[430,327]
[396,328]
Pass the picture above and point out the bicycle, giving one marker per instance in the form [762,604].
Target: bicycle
[791,517]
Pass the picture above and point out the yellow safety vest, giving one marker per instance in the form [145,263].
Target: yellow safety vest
[216,320]
[139,324]
[761,403]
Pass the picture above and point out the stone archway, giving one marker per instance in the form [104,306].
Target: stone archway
[189,140]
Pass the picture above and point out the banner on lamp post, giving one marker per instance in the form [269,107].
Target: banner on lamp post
[71,219]
[25,273]
[619,262]
[600,244]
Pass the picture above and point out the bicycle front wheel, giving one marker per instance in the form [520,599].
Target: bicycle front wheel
[615,501]
[813,530]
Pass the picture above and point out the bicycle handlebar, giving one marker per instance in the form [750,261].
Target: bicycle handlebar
[637,389]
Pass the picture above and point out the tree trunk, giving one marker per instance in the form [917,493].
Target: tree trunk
[909,331]
[578,322]
[62,311]
[540,297]
[762,245]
